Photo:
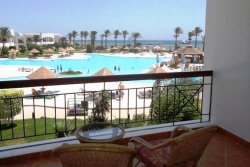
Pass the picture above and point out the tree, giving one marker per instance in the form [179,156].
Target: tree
[89,48]
[93,38]
[135,36]
[190,35]
[176,103]
[74,34]
[102,36]
[102,107]
[70,37]
[81,35]
[10,104]
[85,35]
[63,42]
[177,32]
[197,31]
[36,38]
[5,34]
[124,34]
[106,33]
[116,34]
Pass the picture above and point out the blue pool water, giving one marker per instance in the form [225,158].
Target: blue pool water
[89,66]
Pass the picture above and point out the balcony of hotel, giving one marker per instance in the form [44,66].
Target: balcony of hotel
[218,97]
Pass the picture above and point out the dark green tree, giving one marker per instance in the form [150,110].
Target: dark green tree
[70,36]
[116,34]
[135,36]
[74,34]
[102,107]
[176,103]
[85,35]
[93,38]
[5,35]
[124,34]
[36,38]
[10,104]
[106,33]
[197,31]
[190,35]
[177,32]
[102,36]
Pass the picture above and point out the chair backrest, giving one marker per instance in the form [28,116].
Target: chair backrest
[94,155]
[190,145]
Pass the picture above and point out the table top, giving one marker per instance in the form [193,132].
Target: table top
[100,133]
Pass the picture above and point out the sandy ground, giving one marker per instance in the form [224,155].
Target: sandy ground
[58,106]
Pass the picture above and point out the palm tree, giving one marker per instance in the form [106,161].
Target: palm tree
[5,34]
[70,37]
[124,34]
[106,33]
[85,35]
[116,34]
[177,32]
[74,34]
[190,35]
[135,36]
[102,36]
[36,38]
[81,35]
[93,38]
[197,31]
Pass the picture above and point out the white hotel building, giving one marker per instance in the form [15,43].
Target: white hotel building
[19,39]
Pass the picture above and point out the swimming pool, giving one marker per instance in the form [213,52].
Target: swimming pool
[90,65]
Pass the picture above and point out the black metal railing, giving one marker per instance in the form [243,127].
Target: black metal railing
[173,98]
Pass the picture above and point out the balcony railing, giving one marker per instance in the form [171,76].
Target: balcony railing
[173,98]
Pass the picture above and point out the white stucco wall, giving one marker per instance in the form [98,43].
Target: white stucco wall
[228,55]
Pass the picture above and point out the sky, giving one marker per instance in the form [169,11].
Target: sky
[154,19]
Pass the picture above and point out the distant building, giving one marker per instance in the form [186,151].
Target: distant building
[19,39]
[45,38]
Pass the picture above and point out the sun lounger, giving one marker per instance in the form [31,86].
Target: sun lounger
[145,94]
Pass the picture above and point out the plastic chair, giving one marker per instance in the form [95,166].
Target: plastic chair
[94,155]
[179,150]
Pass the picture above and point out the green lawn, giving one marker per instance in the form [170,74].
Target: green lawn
[34,127]
[37,127]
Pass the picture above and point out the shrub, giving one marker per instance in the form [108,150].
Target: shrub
[10,103]
[89,48]
[102,106]
[12,47]
[22,49]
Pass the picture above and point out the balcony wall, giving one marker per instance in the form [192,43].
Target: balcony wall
[227,54]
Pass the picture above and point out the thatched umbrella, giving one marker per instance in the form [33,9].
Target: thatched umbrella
[48,51]
[12,52]
[155,70]
[61,50]
[114,48]
[125,48]
[103,72]
[42,73]
[144,48]
[34,51]
[70,49]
